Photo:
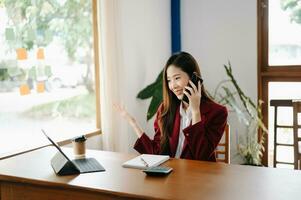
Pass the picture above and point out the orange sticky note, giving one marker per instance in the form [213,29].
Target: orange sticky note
[40,54]
[40,87]
[24,89]
[21,54]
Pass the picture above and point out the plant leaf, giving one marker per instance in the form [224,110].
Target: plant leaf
[155,103]
[149,90]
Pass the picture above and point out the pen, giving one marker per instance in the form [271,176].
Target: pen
[144,162]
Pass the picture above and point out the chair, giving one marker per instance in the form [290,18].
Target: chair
[276,103]
[222,152]
[297,137]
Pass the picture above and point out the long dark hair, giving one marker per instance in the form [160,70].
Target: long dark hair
[188,64]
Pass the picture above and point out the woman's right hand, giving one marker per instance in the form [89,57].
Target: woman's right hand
[123,112]
[129,118]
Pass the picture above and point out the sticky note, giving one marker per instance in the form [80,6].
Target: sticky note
[40,70]
[31,35]
[14,71]
[9,34]
[32,73]
[24,89]
[40,87]
[48,71]
[40,54]
[21,54]
[48,36]
[11,63]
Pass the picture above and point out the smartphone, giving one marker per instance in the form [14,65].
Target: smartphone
[158,171]
[194,78]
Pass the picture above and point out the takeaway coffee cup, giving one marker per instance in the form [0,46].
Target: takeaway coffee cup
[79,146]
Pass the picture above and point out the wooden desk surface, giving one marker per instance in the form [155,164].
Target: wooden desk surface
[30,176]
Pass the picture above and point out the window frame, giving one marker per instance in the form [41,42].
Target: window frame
[96,63]
[265,73]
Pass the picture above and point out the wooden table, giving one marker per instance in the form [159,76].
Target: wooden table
[29,176]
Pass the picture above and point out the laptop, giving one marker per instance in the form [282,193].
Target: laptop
[62,165]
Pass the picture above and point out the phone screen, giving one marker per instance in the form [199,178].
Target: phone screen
[194,78]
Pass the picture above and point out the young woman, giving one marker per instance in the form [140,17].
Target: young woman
[190,130]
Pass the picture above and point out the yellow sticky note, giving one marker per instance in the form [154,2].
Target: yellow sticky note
[21,54]
[40,54]
[24,89]
[40,87]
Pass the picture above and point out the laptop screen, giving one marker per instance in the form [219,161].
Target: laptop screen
[58,163]
[56,146]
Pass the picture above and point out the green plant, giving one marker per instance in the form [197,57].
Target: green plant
[153,91]
[293,8]
[228,92]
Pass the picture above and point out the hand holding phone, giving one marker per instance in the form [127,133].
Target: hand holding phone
[195,78]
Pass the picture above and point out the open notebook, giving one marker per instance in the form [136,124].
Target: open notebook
[145,161]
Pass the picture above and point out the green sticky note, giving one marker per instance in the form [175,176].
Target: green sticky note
[11,63]
[40,71]
[48,36]
[48,71]
[31,35]
[32,73]
[9,34]
[14,71]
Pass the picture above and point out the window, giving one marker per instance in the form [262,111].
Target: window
[284,34]
[48,72]
[279,63]
[281,109]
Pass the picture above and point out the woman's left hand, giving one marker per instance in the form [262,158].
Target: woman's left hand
[194,96]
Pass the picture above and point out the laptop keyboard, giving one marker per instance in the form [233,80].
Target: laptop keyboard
[88,165]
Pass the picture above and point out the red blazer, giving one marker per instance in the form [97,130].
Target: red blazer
[201,139]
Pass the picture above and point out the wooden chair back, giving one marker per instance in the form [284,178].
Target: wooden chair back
[297,136]
[278,132]
[222,152]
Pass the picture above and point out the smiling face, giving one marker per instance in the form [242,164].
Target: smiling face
[177,80]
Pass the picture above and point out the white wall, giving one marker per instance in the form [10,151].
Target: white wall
[145,38]
[213,31]
[217,31]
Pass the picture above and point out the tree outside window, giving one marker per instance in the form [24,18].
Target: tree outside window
[46,68]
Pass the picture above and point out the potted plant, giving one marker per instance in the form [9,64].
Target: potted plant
[250,146]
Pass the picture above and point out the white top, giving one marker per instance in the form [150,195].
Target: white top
[186,118]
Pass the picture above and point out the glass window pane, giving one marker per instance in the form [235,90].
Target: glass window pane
[284,90]
[285,136]
[284,33]
[285,154]
[281,90]
[299,118]
[285,116]
[46,71]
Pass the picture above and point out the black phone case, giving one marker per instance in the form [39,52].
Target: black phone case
[194,78]
[158,171]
